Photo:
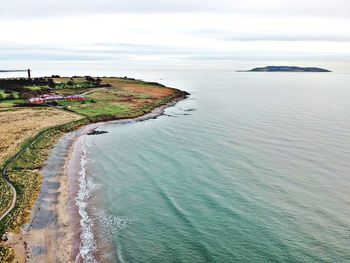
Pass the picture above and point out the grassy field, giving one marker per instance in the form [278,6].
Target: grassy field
[20,124]
[118,98]
[121,99]
[7,104]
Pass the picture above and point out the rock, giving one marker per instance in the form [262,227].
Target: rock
[4,237]
[94,132]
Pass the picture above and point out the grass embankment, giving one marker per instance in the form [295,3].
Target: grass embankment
[123,98]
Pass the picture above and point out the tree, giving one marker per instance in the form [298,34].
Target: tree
[51,83]
[89,79]
[11,96]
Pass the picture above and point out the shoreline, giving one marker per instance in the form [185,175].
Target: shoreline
[54,233]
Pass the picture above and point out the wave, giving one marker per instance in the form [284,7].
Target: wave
[88,246]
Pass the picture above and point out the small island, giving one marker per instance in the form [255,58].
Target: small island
[287,69]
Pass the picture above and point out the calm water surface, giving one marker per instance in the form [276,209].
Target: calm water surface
[253,167]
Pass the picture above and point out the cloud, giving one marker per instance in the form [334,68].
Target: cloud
[178,30]
[283,37]
[40,8]
[130,52]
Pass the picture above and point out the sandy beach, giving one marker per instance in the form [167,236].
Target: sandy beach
[54,233]
[48,237]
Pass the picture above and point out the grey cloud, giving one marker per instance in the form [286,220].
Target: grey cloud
[266,56]
[289,38]
[39,8]
[123,52]
[81,52]
[50,53]
[260,36]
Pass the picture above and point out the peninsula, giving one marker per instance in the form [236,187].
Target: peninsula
[287,69]
[35,113]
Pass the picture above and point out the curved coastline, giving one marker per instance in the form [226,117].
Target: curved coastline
[58,227]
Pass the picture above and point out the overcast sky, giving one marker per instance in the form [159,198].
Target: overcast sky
[191,32]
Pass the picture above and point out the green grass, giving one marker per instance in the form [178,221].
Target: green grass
[110,95]
[109,104]
[10,103]
[141,82]
[33,88]
[5,196]
[67,92]
[5,95]
[100,108]
[80,85]
[63,85]
[67,103]
[100,103]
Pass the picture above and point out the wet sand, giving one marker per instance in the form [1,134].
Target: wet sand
[53,235]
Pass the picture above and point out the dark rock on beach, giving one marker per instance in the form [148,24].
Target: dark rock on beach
[94,132]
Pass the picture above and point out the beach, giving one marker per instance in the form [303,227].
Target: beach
[48,236]
[60,228]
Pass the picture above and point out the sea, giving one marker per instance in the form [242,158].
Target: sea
[251,167]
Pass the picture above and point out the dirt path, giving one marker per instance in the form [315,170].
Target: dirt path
[4,177]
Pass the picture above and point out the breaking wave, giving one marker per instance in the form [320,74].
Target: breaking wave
[88,246]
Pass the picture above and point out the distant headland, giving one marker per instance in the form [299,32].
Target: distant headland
[286,69]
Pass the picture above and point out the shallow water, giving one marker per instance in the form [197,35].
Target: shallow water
[253,167]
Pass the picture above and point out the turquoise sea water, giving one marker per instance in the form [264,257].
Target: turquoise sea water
[253,167]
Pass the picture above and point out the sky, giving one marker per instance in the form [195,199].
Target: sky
[191,34]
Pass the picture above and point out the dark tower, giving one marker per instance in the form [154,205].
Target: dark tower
[29,74]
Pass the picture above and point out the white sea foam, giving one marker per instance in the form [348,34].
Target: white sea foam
[110,224]
[87,246]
